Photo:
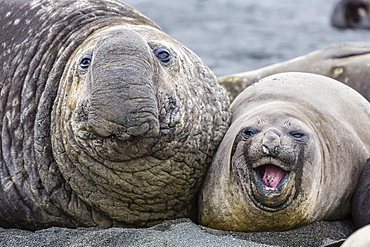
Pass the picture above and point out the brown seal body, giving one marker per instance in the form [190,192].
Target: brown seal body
[105,119]
[292,155]
[345,62]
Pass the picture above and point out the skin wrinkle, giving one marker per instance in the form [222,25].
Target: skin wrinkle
[28,110]
[45,54]
[11,120]
[139,88]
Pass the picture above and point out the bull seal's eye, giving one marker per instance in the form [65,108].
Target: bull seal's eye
[163,55]
[85,62]
[297,134]
[249,132]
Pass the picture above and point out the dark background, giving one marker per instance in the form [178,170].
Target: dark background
[234,36]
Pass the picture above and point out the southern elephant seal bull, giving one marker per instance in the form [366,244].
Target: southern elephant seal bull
[292,155]
[346,62]
[105,119]
[351,14]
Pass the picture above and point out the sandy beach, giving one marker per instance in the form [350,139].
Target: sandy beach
[179,233]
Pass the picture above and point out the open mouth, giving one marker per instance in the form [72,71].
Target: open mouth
[271,176]
[272,186]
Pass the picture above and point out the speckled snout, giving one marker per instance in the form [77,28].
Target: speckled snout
[123,100]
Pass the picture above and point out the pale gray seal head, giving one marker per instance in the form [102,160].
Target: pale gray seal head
[106,120]
[292,155]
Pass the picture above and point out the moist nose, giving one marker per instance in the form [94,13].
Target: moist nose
[271,142]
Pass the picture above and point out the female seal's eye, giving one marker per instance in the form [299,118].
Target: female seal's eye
[85,62]
[297,134]
[163,55]
[249,132]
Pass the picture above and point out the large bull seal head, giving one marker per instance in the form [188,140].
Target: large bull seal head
[135,124]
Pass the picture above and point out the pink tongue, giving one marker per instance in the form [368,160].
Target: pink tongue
[272,177]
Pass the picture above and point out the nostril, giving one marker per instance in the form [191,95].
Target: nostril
[270,150]
[265,149]
[271,142]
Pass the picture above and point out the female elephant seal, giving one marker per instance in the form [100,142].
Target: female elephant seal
[292,155]
[105,119]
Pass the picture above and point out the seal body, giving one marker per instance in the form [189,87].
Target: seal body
[351,14]
[360,238]
[345,62]
[105,119]
[292,155]
[360,208]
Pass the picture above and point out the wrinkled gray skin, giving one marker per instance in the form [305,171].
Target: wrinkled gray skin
[351,14]
[360,207]
[345,62]
[105,119]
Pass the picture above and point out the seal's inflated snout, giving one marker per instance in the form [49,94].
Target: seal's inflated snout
[123,100]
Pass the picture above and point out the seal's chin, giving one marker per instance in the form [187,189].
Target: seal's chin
[272,186]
